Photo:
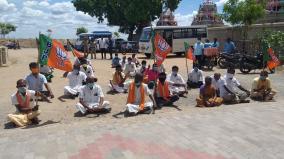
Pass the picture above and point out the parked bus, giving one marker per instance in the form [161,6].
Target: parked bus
[174,35]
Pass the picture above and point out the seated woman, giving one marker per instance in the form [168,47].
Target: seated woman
[261,88]
[208,97]
[91,98]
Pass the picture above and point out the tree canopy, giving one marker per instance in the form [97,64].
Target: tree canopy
[6,28]
[243,12]
[81,30]
[129,15]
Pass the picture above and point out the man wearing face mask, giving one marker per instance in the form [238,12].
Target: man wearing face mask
[76,80]
[91,98]
[87,69]
[261,88]
[163,95]
[130,67]
[195,78]
[24,100]
[36,81]
[217,82]
[136,100]
[118,79]
[176,82]
[229,91]
[153,73]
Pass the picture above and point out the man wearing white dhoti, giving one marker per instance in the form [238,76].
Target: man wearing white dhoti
[91,98]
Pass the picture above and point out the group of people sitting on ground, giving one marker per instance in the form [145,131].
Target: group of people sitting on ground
[148,89]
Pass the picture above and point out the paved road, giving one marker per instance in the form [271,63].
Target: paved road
[253,131]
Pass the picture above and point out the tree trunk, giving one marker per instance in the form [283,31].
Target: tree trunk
[130,34]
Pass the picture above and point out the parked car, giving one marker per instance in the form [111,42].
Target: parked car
[129,47]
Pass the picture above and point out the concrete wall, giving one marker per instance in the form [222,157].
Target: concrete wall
[235,33]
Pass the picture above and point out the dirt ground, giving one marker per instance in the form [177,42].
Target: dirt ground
[64,112]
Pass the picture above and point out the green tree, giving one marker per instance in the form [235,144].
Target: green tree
[6,28]
[81,30]
[129,15]
[243,13]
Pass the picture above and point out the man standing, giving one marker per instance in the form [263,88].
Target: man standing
[136,100]
[198,51]
[229,91]
[176,82]
[110,44]
[195,78]
[91,98]
[103,47]
[76,80]
[261,88]
[27,111]
[36,81]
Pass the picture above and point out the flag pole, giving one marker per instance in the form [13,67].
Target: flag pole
[186,62]
[38,61]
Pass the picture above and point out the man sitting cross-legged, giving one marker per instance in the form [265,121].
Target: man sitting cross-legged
[261,88]
[27,110]
[207,97]
[136,100]
[91,98]
[177,83]
[76,80]
[118,79]
[163,95]
[87,69]
[195,78]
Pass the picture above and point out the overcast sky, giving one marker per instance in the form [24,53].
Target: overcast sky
[34,16]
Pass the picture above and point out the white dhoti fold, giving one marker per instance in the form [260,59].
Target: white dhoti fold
[177,90]
[133,108]
[73,91]
[116,88]
[83,110]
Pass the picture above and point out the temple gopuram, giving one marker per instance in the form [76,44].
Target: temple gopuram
[207,15]
[167,18]
[274,12]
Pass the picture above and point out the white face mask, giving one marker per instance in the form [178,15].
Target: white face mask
[230,76]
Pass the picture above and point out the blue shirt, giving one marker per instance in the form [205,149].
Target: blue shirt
[34,83]
[198,48]
[207,45]
[116,61]
[217,44]
[229,47]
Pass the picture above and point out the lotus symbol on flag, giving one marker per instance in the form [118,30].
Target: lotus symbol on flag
[163,45]
[61,56]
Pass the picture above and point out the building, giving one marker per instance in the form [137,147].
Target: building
[274,12]
[207,15]
[167,18]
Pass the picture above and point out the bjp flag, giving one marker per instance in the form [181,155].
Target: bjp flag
[53,54]
[162,48]
[75,52]
[188,52]
[274,61]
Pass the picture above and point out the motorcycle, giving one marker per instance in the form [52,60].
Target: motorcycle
[226,60]
[249,63]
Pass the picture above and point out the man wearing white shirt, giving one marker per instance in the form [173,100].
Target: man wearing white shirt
[87,69]
[217,82]
[195,78]
[91,98]
[130,67]
[229,91]
[76,80]
[103,47]
[176,82]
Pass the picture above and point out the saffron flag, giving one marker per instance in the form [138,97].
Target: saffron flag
[188,52]
[53,54]
[274,62]
[162,48]
[75,52]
